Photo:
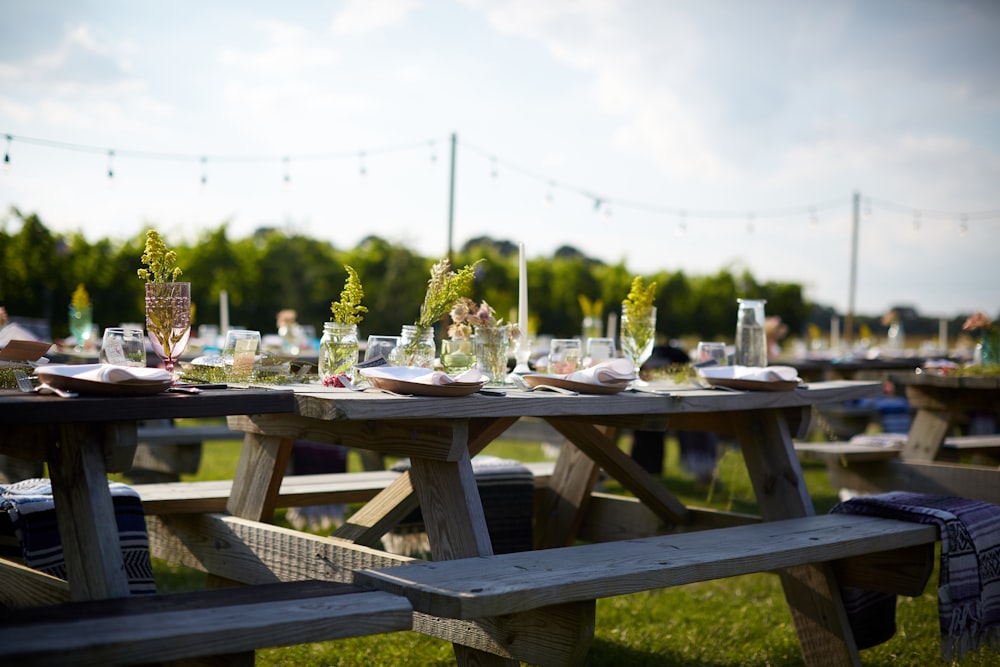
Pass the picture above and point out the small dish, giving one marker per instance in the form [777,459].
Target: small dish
[68,378]
[537,379]
[425,389]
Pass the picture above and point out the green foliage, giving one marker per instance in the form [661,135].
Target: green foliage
[349,309]
[271,271]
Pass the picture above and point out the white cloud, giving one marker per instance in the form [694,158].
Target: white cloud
[287,52]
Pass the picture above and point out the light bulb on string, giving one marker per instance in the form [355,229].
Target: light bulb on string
[433,148]
[493,167]
[916,221]
[287,178]
[6,155]
[362,169]
[111,167]
[963,224]
[204,172]
[548,195]
[868,207]
[751,228]
[682,227]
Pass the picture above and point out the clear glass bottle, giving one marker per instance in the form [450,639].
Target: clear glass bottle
[338,349]
[751,339]
[416,347]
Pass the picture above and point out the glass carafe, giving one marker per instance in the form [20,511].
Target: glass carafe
[751,340]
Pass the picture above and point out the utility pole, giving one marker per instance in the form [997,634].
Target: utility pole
[451,200]
[856,218]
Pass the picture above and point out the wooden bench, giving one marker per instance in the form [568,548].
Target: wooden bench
[296,490]
[214,622]
[848,452]
[867,552]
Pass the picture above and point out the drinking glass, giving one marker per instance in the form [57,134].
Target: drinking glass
[599,349]
[565,355]
[380,346]
[638,331]
[240,354]
[168,320]
[711,354]
[751,339]
[458,354]
[123,347]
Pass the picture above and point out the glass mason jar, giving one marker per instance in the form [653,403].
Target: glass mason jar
[416,347]
[492,350]
[751,339]
[338,349]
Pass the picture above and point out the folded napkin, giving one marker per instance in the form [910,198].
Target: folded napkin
[611,371]
[968,576]
[754,373]
[106,373]
[420,375]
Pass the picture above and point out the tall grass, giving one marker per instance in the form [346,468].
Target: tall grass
[742,621]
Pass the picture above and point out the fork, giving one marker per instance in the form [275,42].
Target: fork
[26,385]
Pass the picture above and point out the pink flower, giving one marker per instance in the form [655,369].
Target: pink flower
[978,320]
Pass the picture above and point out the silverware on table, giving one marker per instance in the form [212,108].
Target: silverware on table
[27,385]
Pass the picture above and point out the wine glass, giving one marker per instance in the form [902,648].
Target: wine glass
[168,320]
[638,331]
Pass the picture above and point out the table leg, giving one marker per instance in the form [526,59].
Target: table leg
[926,435]
[85,513]
[258,476]
[811,591]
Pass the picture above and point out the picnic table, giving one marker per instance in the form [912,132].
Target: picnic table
[927,461]
[545,615]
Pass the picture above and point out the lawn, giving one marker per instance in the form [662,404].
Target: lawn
[723,623]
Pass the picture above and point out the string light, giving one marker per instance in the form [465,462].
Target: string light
[603,203]
[682,227]
[288,174]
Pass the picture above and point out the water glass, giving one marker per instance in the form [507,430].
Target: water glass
[751,340]
[599,349]
[711,354]
[380,346]
[458,354]
[565,355]
[123,347]
[240,354]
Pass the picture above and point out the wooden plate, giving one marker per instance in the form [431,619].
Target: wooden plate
[423,389]
[753,385]
[539,379]
[131,388]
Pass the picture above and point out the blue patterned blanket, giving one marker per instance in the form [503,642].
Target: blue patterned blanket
[32,512]
[969,577]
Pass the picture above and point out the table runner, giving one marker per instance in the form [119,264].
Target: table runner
[32,512]
[969,573]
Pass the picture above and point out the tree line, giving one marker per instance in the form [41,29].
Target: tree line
[271,270]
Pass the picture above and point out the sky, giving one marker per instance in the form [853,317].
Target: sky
[666,135]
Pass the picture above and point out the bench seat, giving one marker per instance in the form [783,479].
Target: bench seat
[508,583]
[296,490]
[176,626]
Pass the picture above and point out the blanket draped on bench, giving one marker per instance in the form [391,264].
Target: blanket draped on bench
[969,577]
[32,512]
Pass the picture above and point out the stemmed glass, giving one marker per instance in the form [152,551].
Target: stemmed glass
[168,320]
[638,333]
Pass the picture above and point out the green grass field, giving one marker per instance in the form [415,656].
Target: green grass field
[734,622]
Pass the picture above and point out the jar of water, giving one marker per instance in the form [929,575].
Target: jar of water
[751,341]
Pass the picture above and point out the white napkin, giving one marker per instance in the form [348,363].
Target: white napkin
[613,370]
[755,373]
[420,375]
[106,373]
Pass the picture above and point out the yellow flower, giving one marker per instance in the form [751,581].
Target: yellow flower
[80,299]
[161,262]
[349,309]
